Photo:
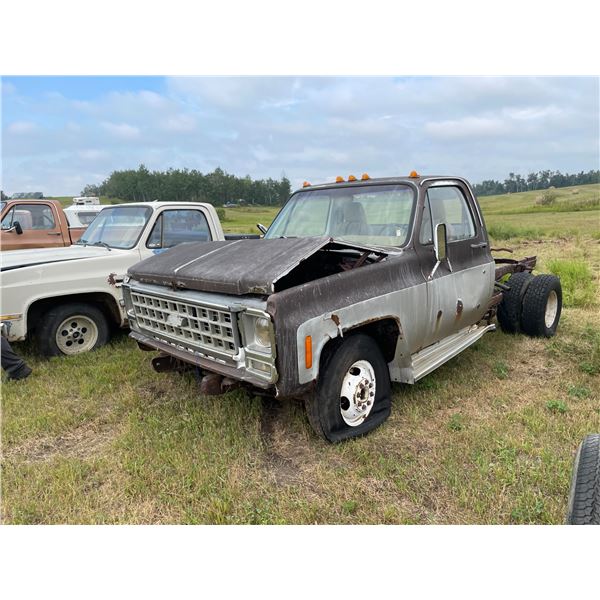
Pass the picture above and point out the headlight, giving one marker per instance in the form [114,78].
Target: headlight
[262,332]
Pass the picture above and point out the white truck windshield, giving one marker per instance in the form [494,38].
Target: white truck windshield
[118,227]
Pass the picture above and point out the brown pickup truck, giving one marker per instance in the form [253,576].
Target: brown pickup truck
[28,223]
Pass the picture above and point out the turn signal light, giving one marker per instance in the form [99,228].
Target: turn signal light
[339,179]
[351,178]
[305,184]
[365,176]
[308,351]
[413,174]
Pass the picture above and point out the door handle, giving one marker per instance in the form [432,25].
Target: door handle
[57,233]
[480,245]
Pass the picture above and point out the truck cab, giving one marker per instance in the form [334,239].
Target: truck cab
[356,284]
[33,223]
[69,299]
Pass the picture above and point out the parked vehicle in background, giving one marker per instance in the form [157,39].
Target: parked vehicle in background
[69,299]
[81,215]
[85,200]
[31,223]
[357,284]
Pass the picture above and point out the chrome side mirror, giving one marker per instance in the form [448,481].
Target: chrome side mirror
[440,247]
[440,242]
[261,228]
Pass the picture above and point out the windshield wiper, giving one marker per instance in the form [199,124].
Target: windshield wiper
[104,244]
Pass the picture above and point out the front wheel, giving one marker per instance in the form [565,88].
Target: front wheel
[353,394]
[72,329]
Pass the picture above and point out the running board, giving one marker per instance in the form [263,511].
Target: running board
[432,357]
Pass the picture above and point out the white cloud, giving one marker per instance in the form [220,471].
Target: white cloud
[468,127]
[122,130]
[179,123]
[21,127]
[92,154]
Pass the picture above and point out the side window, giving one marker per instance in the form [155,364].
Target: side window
[176,226]
[448,205]
[31,216]
[85,218]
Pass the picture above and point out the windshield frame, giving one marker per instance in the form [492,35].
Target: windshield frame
[148,214]
[363,184]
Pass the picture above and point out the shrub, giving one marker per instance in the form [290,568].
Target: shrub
[547,197]
[556,406]
[221,213]
[577,281]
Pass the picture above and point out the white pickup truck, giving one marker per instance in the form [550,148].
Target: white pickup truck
[69,299]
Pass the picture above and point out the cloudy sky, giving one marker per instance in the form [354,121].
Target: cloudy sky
[61,133]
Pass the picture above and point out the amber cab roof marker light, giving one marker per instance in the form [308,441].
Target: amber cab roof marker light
[339,179]
[351,178]
[413,174]
[306,184]
[365,176]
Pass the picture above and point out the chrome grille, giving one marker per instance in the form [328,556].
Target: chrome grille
[197,328]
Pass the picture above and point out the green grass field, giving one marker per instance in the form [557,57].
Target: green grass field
[487,438]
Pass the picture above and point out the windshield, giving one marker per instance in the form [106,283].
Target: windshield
[118,227]
[375,215]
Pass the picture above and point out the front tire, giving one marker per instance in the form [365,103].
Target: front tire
[353,394]
[72,328]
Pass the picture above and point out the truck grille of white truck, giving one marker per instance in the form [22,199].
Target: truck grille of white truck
[194,327]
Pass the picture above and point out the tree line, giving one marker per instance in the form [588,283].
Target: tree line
[180,185]
[535,181]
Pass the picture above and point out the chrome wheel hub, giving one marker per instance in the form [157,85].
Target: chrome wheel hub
[76,334]
[551,309]
[357,395]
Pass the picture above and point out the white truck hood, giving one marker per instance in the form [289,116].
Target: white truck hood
[39,256]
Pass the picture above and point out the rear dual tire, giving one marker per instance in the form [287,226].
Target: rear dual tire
[532,305]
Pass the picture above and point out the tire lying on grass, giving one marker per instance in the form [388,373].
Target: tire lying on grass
[353,394]
[584,496]
[509,310]
[72,329]
[542,305]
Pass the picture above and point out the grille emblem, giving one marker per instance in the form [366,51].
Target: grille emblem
[176,320]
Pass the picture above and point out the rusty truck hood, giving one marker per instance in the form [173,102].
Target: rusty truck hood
[236,267]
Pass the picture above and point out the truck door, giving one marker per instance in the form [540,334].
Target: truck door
[459,291]
[38,223]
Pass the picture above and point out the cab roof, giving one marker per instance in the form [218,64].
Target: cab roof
[418,180]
